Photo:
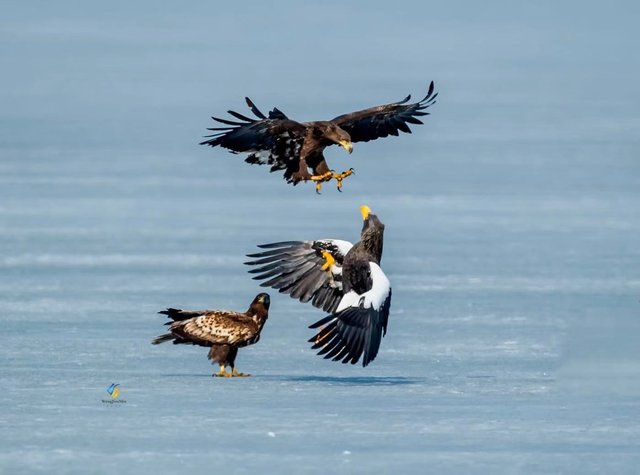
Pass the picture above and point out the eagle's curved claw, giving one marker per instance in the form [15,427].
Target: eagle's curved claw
[319,179]
[341,176]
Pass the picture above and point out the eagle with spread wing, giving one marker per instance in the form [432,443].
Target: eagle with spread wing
[340,278]
[296,147]
[224,331]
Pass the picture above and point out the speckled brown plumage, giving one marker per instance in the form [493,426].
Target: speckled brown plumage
[223,331]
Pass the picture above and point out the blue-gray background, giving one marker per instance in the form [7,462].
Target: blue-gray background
[512,242]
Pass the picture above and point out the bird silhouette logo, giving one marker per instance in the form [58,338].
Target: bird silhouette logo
[114,390]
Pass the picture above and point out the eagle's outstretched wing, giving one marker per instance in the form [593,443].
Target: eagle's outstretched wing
[382,121]
[275,140]
[306,270]
[359,323]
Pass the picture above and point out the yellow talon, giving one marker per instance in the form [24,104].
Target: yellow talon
[341,176]
[344,174]
[222,373]
[320,178]
[329,260]
[237,374]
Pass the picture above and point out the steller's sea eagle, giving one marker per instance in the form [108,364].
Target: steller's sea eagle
[340,278]
[224,331]
[296,147]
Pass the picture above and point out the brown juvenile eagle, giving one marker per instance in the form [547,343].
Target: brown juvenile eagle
[340,278]
[296,147]
[224,331]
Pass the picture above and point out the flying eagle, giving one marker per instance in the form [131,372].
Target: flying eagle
[224,331]
[296,147]
[340,278]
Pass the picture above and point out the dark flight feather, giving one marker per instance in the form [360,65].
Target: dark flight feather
[370,124]
[295,268]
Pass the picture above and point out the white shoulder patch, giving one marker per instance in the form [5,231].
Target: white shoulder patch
[350,299]
[374,297]
[379,290]
[342,246]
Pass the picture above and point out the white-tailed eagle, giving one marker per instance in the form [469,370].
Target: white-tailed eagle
[296,147]
[224,331]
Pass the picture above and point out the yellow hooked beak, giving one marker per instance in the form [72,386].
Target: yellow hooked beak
[348,146]
[365,211]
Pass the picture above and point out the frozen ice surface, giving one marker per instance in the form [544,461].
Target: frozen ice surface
[512,239]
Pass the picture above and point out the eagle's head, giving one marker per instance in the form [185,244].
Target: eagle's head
[372,234]
[339,136]
[260,303]
[370,220]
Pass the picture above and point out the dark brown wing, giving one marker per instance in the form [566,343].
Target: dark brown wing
[295,268]
[216,327]
[275,140]
[382,121]
[209,327]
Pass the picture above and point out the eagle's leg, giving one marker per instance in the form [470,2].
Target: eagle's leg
[328,261]
[302,173]
[319,179]
[236,373]
[341,176]
[222,373]
[231,359]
